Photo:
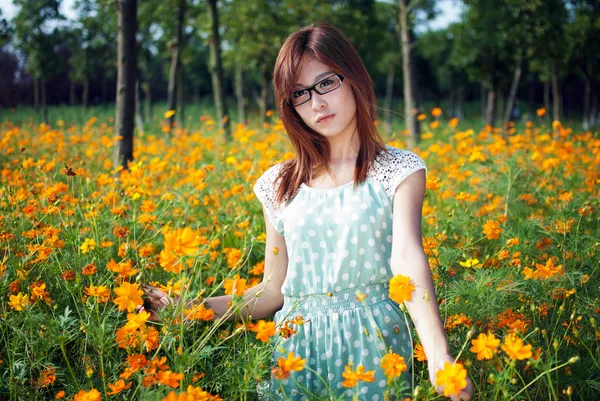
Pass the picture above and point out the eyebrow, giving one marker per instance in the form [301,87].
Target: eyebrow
[316,78]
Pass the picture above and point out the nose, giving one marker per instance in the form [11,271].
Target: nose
[317,101]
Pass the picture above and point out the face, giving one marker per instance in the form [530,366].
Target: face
[339,102]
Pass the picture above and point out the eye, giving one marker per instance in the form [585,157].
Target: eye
[299,93]
[326,82]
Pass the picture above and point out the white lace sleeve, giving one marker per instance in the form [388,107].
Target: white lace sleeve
[266,192]
[393,169]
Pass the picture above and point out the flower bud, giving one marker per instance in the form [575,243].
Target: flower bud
[570,391]
[555,344]
[574,359]
[470,333]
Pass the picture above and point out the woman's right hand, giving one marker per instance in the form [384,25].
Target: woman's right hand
[155,301]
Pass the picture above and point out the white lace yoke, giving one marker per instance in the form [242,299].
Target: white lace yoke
[388,170]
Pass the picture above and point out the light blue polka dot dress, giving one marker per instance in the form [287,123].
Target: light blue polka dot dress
[339,244]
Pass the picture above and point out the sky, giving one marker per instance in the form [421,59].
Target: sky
[449,11]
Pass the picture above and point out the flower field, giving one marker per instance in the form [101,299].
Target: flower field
[510,227]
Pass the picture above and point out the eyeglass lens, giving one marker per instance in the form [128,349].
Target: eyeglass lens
[322,87]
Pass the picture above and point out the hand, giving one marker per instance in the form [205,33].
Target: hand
[154,301]
[435,365]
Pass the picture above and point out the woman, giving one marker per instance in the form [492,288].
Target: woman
[345,214]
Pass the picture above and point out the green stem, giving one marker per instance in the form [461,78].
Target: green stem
[64,352]
[538,377]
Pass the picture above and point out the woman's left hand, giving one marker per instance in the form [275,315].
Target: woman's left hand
[435,365]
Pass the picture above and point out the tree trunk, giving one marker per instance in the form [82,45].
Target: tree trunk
[389,96]
[460,99]
[417,101]
[490,112]
[483,104]
[148,103]
[264,88]
[239,93]
[44,101]
[104,90]
[532,110]
[138,109]
[216,71]
[555,95]
[36,95]
[180,98]
[175,62]
[72,93]
[85,94]
[450,109]
[407,70]
[587,94]
[513,93]
[547,98]
[594,113]
[126,78]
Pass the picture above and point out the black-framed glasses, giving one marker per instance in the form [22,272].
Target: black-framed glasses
[322,87]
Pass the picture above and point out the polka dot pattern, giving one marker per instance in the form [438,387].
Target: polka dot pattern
[339,247]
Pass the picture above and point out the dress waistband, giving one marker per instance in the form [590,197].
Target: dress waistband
[346,299]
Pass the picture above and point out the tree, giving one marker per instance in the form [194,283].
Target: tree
[36,39]
[216,69]
[126,80]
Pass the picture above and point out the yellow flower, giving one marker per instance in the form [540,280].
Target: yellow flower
[88,245]
[474,263]
[453,377]
[169,114]
[393,365]
[515,349]
[401,289]
[19,301]
[485,346]
[129,296]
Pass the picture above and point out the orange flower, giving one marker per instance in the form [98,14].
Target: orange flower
[401,289]
[393,365]
[264,330]
[118,387]
[420,353]
[485,346]
[169,378]
[453,122]
[88,269]
[492,229]
[129,296]
[436,112]
[237,284]
[515,349]
[352,377]
[287,365]
[199,313]
[453,377]
[541,112]
[92,395]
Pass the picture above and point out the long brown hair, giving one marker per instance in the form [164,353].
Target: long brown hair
[331,47]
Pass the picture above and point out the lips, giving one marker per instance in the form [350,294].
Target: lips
[326,118]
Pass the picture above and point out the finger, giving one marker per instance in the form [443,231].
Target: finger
[465,395]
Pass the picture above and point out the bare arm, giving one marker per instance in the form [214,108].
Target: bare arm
[408,258]
[265,299]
